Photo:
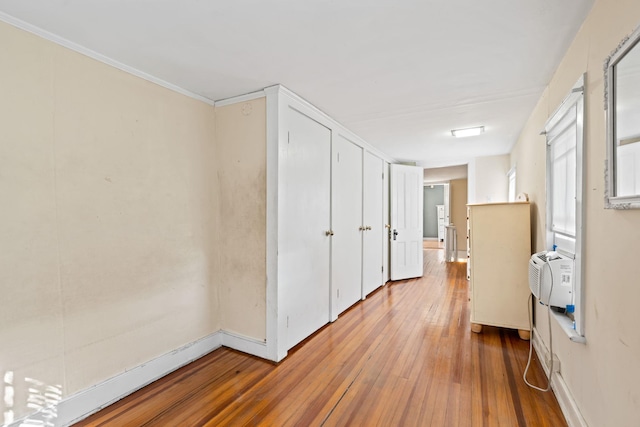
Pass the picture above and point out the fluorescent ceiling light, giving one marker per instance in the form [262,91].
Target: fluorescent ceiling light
[461,133]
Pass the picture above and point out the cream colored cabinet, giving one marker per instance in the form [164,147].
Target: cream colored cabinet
[499,251]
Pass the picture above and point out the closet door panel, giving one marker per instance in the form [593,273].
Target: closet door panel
[304,220]
[346,249]
[373,220]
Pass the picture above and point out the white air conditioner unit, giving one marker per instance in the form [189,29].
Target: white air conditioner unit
[551,278]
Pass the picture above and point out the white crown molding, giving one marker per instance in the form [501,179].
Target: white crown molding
[240,98]
[18,23]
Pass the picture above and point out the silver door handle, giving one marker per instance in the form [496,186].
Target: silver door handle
[395,233]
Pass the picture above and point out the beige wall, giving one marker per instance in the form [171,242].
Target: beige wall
[604,374]
[107,189]
[458,214]
[489,180]
[242,169]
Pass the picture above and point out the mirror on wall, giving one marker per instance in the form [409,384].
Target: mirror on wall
[622,92]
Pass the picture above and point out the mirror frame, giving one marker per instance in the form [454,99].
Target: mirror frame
[610,200]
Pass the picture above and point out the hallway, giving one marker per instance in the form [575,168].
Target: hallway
[403,357]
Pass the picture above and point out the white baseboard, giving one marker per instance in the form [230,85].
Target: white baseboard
[567,403]
[86,402]
[562,392]
[244,344]
[82,404]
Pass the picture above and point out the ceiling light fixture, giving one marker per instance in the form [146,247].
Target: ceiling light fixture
[461,133]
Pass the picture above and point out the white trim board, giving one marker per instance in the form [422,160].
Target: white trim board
[86,402]
[18,23]
[274,332]
[567,403]
[244,344]
[241,98]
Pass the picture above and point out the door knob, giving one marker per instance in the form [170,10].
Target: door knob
[328,233]
[395,233]
[368,227]
[362,228]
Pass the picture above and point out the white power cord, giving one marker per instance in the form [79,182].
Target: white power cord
[526,369]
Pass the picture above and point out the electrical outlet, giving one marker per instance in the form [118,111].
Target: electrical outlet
[556,362]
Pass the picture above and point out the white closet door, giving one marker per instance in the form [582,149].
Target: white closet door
[304,219]
[346,246]
[373,220]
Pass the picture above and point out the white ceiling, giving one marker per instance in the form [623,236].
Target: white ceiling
[401,74]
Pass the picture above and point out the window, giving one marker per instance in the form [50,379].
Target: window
[561,141]
[511,176]
[564,135]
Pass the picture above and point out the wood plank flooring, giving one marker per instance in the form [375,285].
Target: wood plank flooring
[432,244]
[403,357]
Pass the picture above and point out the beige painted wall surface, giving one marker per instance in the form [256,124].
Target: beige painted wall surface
[106,225]
[530,158]
[242,172]
[458,215]
[604,374]
[31,308]
[491,183]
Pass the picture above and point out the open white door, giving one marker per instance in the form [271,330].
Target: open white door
[406,221]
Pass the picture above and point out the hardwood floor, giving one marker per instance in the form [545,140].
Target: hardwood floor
[403,357]
[432,244]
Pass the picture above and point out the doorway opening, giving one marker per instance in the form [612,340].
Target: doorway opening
[435,212]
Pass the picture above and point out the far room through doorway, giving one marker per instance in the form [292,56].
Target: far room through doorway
[435,212]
